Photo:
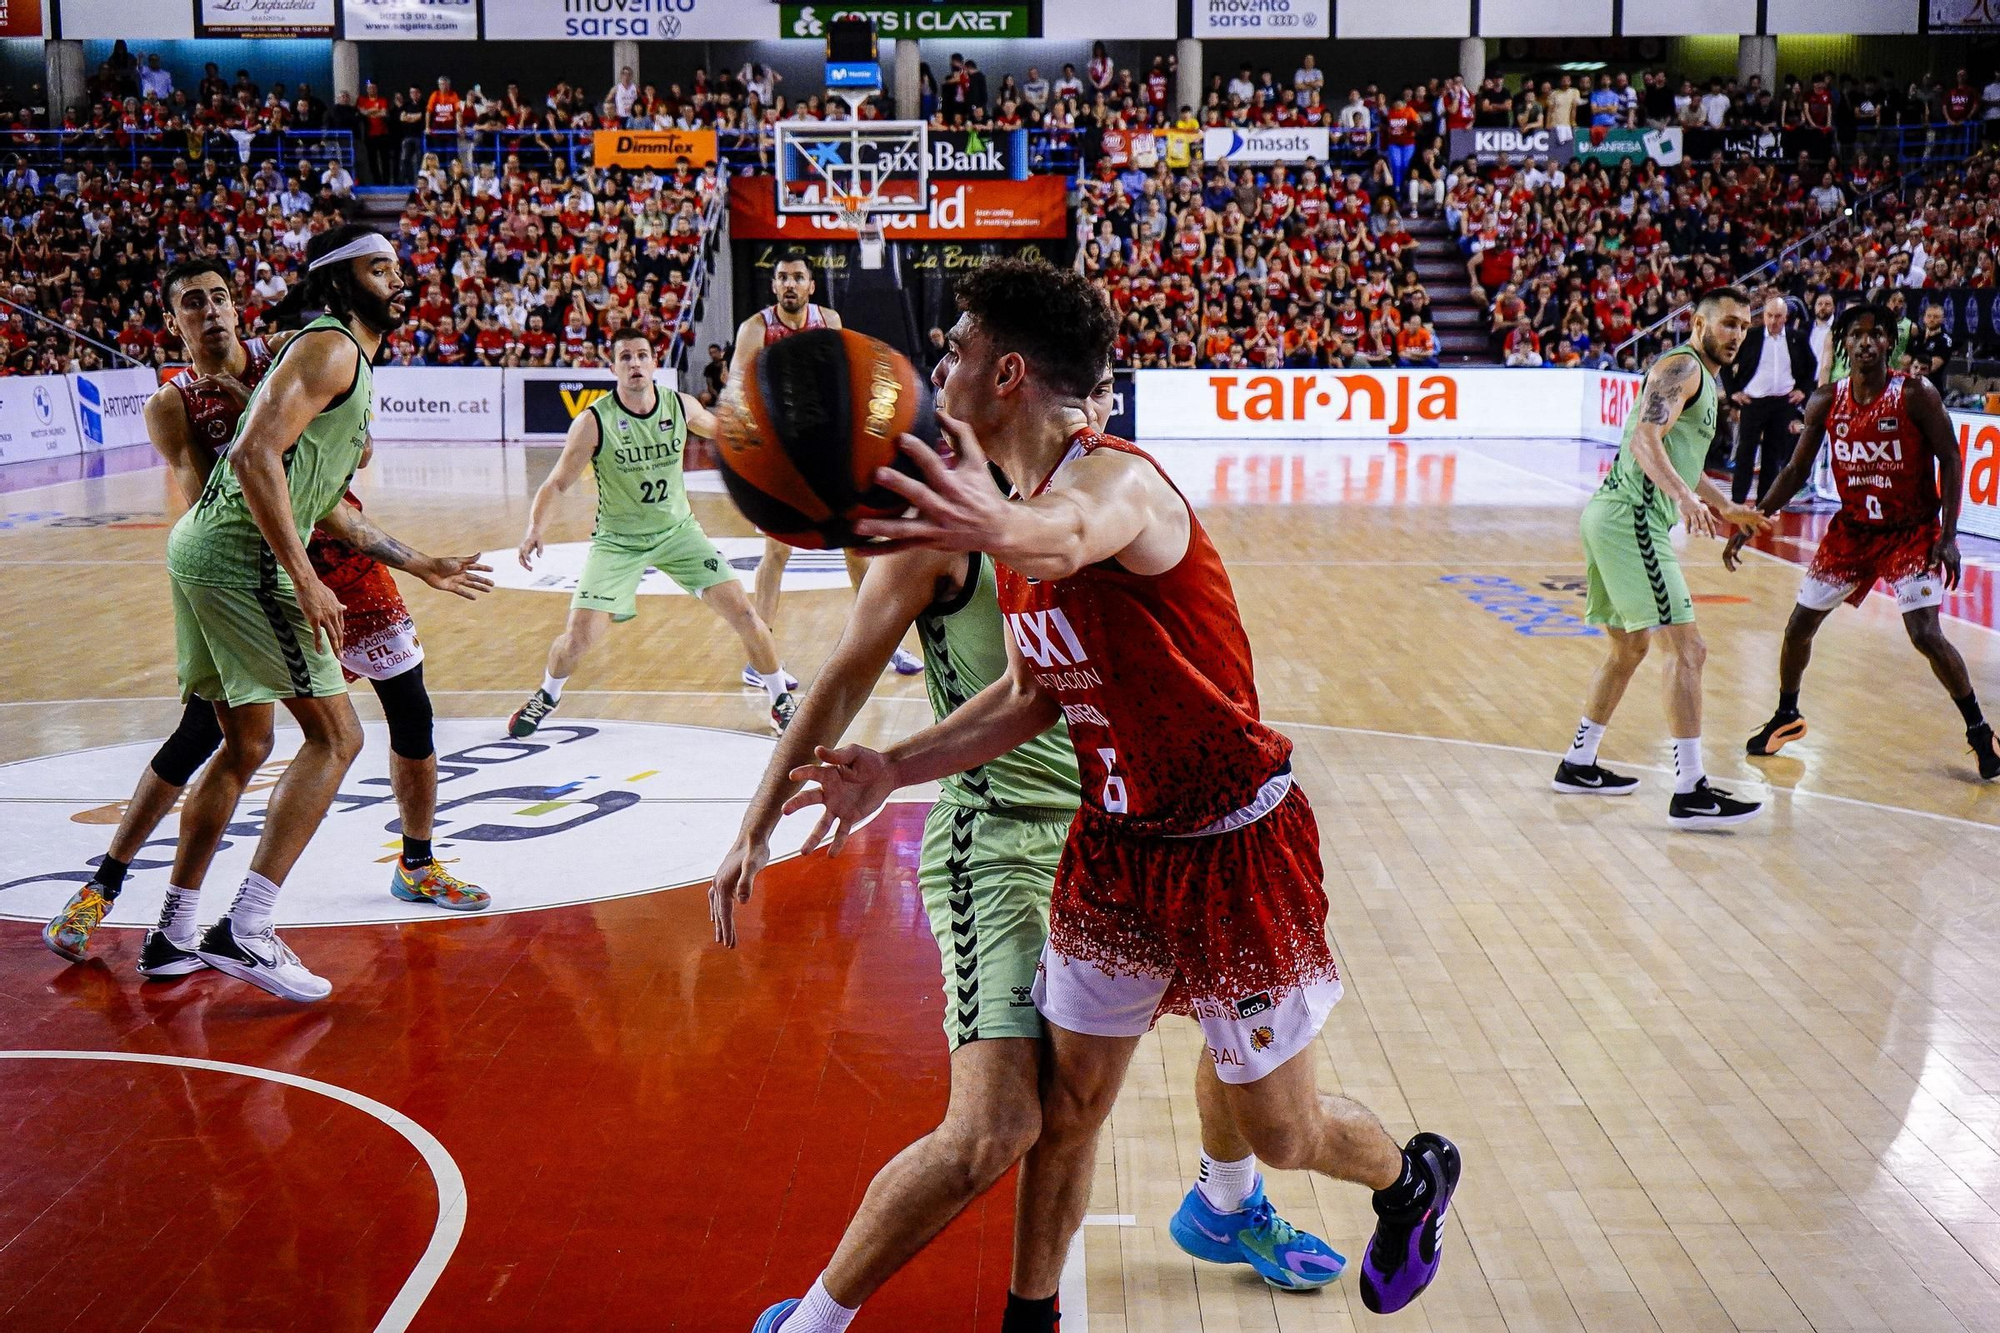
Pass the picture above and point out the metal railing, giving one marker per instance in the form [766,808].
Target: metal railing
[698,282]
[68,332]
[47,150]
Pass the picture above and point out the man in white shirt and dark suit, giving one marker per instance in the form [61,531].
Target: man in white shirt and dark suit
[1770,377]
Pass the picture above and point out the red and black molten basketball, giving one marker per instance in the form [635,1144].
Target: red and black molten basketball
[820,412]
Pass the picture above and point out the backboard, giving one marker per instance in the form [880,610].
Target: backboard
[845,168]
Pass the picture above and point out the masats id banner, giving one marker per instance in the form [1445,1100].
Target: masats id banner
[1358,404]
[1305,144]
[611,20]
[20,18]
[971,210]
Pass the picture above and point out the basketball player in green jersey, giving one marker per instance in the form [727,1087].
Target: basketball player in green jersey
[991,844]
[253,623]
[633,438]
[1635,585]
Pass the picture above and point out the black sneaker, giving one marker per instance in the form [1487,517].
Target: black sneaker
[1710,807]
[1591,780]
[1775,735]
[1403,1256]
[1981,740]
[160,958]
[783,709]
[531,714]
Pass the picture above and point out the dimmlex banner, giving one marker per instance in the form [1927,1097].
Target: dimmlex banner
[961,210]
[1979,441]
[37,419]
[1360,404]
[658,149]
[439,403]
[1262,18]
[1304,144]
[111,406]
[411,20]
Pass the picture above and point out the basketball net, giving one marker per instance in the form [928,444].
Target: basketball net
[866,226]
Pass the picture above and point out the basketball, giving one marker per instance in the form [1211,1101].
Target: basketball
[820,412]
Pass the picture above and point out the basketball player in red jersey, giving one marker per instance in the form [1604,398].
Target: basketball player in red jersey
[791,312]
[190,420]
[1899,473]
[1191,881]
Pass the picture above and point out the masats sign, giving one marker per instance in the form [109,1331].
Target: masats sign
[1979,442]
[1358,404]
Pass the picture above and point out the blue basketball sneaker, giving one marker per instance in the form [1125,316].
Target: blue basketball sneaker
[1281,1254]
[768,1321]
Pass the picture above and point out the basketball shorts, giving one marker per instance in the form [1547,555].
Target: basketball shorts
[612,570]
[379,637]
[1228,928]
[1852,556]
[986,876]
[1632,577]
[248,646]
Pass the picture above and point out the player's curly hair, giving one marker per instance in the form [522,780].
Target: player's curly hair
[1058,323]
[1844,322]
[325,291]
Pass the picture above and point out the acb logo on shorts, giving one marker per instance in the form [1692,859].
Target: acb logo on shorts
[1251,1005]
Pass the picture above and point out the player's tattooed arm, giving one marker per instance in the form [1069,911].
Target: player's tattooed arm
[459,574]
[1672,382]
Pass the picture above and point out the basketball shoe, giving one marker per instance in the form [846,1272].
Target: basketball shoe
[1775,735]
[532,714]
[783,709]
[262,959]
[1709,807]
[1403,1256]
[906,663]
[432,883]
[1591,780]
[1979,737]
[1279,1252]
[161,958]
[68,933]
[773,1318]
[753,681]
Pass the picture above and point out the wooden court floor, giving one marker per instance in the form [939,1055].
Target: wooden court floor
[1703,1082]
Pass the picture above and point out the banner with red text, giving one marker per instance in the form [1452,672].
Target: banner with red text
[1490,403]
[1979,441]
[961,210]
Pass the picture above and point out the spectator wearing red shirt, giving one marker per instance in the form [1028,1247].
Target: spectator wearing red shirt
[1961,100]
[373,108]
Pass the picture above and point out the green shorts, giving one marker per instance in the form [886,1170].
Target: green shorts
[986,879]
[612,570]
[248,646]
[1634,580]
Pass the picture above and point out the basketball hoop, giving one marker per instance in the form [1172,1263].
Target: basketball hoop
[857,217]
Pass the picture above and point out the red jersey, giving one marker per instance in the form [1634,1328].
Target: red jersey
[1884,469]
[1154,676]
[776,330]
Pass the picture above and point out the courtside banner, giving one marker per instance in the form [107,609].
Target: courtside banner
[1358,404]
[658,149]
[1979,441]
[111,406]
[37,419]
[439,403]
[970,210]
[610,20]
[543,401]
[411,20]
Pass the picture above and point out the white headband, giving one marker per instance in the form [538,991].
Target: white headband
[374,243]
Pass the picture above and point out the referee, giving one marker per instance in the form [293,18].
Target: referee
[1770,377]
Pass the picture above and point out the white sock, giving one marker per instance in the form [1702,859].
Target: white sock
[1226,1184]
[177,920]
[1687,763]
[1583,746]
[256,903]
[774,684]
[552,685]
[818,1313]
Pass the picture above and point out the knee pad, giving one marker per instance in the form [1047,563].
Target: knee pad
[406,706]
[194,740]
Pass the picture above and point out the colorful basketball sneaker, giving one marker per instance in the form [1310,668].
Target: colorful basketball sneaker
[434,884]
[531,714]
[783,709]
[1403,1257]
[1279,1252]
[1775,735]
[772,1319]
[68,933]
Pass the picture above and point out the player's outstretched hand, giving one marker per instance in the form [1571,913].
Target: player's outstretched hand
[462,575]
[958,508]
[1732,552]
[733,878]
[1746,519]
[1945,556]
[852,782]
[531,546]
[323,613]
[1701,521]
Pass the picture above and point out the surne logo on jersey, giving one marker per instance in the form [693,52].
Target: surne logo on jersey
[1045,637]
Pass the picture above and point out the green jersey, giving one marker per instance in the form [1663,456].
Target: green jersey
[964,652]
[641,495]
[218,543]
[1687,448]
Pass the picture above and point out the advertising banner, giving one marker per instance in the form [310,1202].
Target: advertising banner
[111,406]
[1612,146]
[610,20]
[1964,16]
[966,210]
[37,419]
[657,149]
[1307,144]
[1490,146]
[1262,18]
[412,20]
[541,403]
[1979,440]
[20,18]
[264,18]
[1357,404]
[911,20]
[438,403]
[1608,399]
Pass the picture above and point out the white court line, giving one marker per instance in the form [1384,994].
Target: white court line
[450,1182]
[1073,1289]
[744,693]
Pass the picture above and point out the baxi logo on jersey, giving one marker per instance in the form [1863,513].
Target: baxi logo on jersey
[1047,640]
[1863,452]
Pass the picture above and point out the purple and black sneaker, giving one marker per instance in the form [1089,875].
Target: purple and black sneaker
[1403,1257]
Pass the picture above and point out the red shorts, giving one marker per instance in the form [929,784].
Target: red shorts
[379,637]
[1219,918]
[1852,556]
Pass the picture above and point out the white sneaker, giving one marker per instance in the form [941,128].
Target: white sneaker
[906,663]
[262,960]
